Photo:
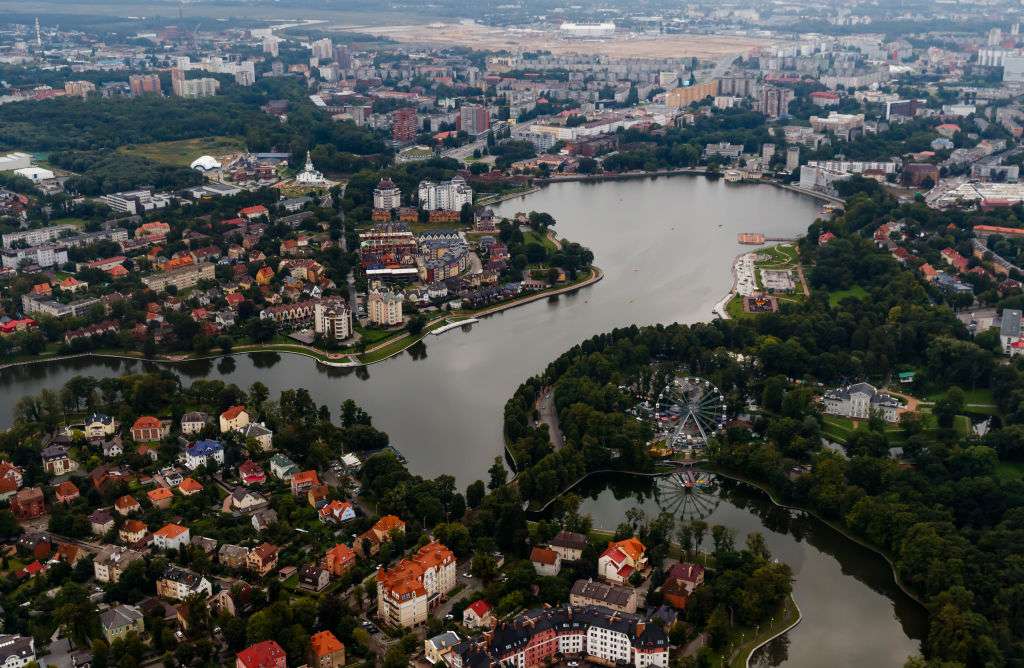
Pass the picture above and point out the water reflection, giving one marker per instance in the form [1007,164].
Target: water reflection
[226,365]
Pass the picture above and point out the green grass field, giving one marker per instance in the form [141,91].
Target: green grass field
[838,295]
[181,153]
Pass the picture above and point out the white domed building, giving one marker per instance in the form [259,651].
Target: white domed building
[206,163]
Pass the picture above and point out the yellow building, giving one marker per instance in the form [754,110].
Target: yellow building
[683,97]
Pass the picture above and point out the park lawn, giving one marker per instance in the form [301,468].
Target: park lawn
[962,425]
[542,239]
[981,396]
[181,153]
[371,336]
[779,257]
[856,292]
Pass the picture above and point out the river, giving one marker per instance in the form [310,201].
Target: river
[666,246]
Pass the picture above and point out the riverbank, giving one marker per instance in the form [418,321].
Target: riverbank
[378,353]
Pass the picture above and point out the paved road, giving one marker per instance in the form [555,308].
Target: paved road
[548,415]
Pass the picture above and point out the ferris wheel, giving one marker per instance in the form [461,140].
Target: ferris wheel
[691,410]
[689,494]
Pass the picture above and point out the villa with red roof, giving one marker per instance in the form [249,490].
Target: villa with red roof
[251,473]
[266,654]
[253,212]
[477,614]
[954,259]
[148,429]
[339,559]
[621,559]
[235,418]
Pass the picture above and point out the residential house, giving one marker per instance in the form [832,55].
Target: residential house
[262,559]
[233,556]
[101,521]
[242,500]
[193,422]
[179,583]
[615,597]
[127,504]
[568,545]
[119,621]
[207,545]
[66,492]
[132,532]
[302,481]
[313,578]
[251,473]
[16,651]
[326,651]
[478,614]
[112,561]
[257,431]
[621,559]
[148,429]
[171,537]
[266,654]
[235,418]
[28,504]
[545,561]
[11,479]
[434,649]
[682,579]
[112,447]
[337,512]
[282,468]
[339,559]
[263,519]
[190,486]
[206,453]
[99,425]
[160,497]
[368,543]
[56,460]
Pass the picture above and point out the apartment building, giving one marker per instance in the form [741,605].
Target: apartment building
[182,278]
[406,592]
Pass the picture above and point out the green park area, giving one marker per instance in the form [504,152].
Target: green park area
[181,153]
[837,296]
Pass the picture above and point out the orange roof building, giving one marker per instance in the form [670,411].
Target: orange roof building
[161,497]
[171,537]
[190,486]
[326,651]
[339,559]
[403,592]
[127,504]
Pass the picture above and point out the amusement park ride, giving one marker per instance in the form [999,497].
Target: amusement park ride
[691,410]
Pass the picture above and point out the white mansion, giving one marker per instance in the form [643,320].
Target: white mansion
[859,401]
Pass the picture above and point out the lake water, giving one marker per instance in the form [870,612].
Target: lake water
[666,246]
